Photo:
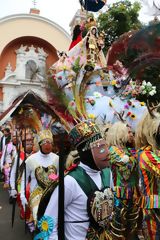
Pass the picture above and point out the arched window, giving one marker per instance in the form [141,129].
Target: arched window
[31,70]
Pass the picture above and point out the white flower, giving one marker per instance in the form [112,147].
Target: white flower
[149,84]
[151,93]
[144,83]
[147,88]
[97,94]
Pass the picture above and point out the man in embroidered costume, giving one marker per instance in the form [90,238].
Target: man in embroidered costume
[148,145]
[124,167]
[16,174]
[82,188]
[39,167]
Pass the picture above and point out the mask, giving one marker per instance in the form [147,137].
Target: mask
[100,153]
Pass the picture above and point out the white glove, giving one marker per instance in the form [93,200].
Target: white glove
[24,201]
[13,193]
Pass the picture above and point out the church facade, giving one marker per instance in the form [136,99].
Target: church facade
[28,48]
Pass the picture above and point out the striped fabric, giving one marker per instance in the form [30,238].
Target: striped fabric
[149,166]
[152,219]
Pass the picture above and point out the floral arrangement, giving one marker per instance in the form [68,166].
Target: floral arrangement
[148,89]
[134,88]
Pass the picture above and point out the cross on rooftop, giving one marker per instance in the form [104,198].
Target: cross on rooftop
[34,3]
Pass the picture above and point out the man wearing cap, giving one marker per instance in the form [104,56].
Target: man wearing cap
[88,198]
[39,167]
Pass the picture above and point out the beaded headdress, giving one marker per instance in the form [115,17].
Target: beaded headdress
[86,131]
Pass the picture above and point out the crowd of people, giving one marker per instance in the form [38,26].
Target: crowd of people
[111,182]
[108,186]
[27,161]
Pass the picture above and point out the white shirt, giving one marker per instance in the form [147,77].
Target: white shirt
[12,179]
[35,160]
[75,207]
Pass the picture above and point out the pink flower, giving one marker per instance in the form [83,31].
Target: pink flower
[73,166]
[53,176]
[60,78]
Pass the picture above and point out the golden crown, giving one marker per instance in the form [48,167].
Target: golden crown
[91,22]
[44,134]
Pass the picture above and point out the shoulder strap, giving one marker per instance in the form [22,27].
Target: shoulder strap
[106,177]
[84,180]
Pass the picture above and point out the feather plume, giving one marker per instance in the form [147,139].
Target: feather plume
[27,117]
[59,102]
[139,54]
[143,56]
[118,48]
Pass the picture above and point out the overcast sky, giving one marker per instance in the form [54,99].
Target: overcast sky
[59,11]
